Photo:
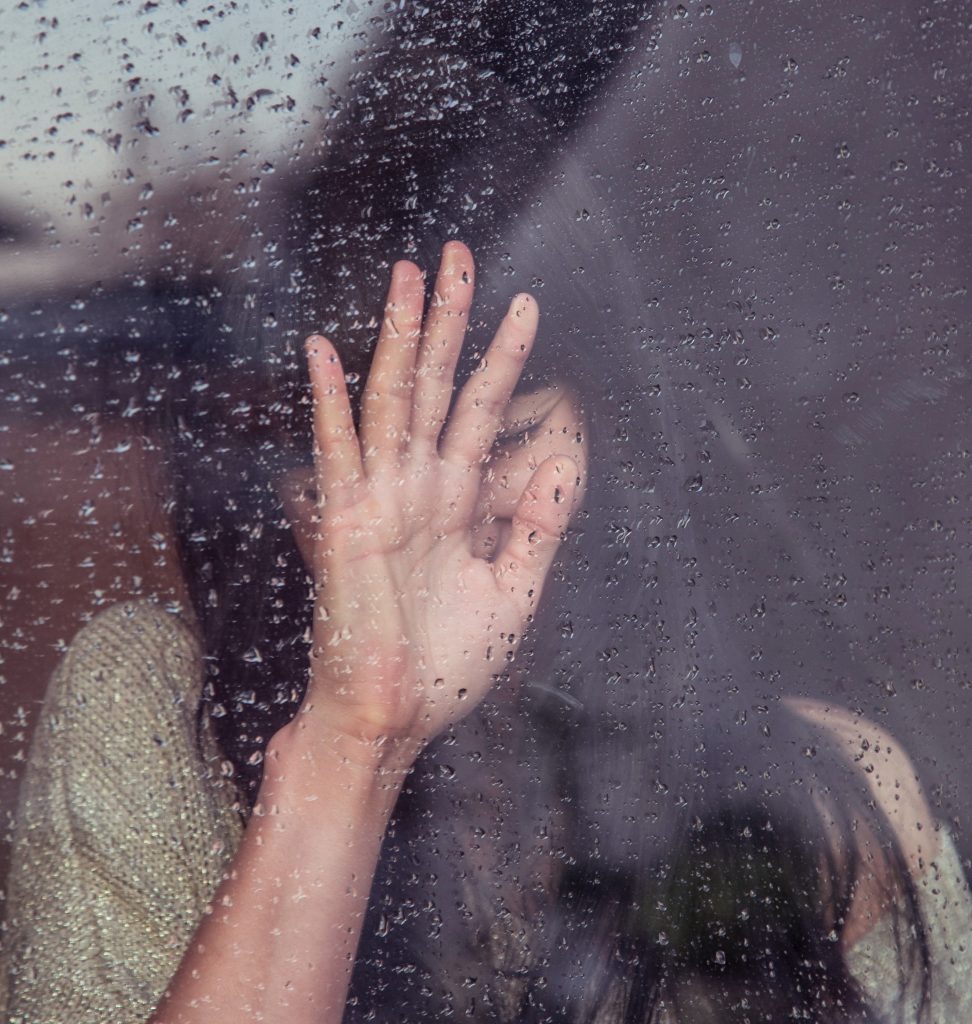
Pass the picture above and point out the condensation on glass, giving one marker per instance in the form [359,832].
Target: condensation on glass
[745,693]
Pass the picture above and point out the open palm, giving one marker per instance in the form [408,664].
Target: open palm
[410,627]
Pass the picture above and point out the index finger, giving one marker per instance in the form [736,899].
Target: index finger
[337,454]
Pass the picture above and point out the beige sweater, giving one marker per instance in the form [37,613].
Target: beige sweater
[124,830]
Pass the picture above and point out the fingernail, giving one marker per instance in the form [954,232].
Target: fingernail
[315,343]
[522,304]
[404,269]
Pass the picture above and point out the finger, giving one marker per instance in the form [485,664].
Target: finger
[537,425]
[441,342]
[337,454]
[481,405]
[387,401]
[486,538]
[540,519]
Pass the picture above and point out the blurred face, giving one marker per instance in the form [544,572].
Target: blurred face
[538,424]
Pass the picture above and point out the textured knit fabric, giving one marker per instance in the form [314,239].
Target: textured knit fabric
[125,829]
[124,826]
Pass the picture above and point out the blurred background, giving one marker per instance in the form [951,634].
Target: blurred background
[774,198]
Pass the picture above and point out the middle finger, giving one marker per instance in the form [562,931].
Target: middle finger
[441,342]
[387,402]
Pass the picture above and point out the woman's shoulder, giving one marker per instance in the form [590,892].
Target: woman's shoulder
[945,902]
[886,770]
[874,924]
[124,824]
[120,725]
[128,685]
[136,628]
[125,656]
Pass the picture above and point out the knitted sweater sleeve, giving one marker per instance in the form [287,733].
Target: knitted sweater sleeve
[123,829]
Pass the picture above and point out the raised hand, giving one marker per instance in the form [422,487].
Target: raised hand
[410,625]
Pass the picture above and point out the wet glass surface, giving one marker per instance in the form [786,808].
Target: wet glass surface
[746,227]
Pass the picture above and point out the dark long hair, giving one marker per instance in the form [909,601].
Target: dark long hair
[640,824]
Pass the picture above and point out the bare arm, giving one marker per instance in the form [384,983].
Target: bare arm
[280,942]
[409,628]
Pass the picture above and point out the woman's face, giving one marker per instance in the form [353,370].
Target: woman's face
[538,424]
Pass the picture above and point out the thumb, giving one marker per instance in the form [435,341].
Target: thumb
[539,520]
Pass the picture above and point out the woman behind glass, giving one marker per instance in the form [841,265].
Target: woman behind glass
[635,824]
[753,891]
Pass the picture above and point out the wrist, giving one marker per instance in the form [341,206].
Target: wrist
[307,752]
[313,778]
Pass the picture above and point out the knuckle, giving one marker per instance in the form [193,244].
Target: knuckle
[491,402]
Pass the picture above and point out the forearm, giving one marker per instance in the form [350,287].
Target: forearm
[280,942]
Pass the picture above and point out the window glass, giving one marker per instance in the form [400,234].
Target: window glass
[654,649]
